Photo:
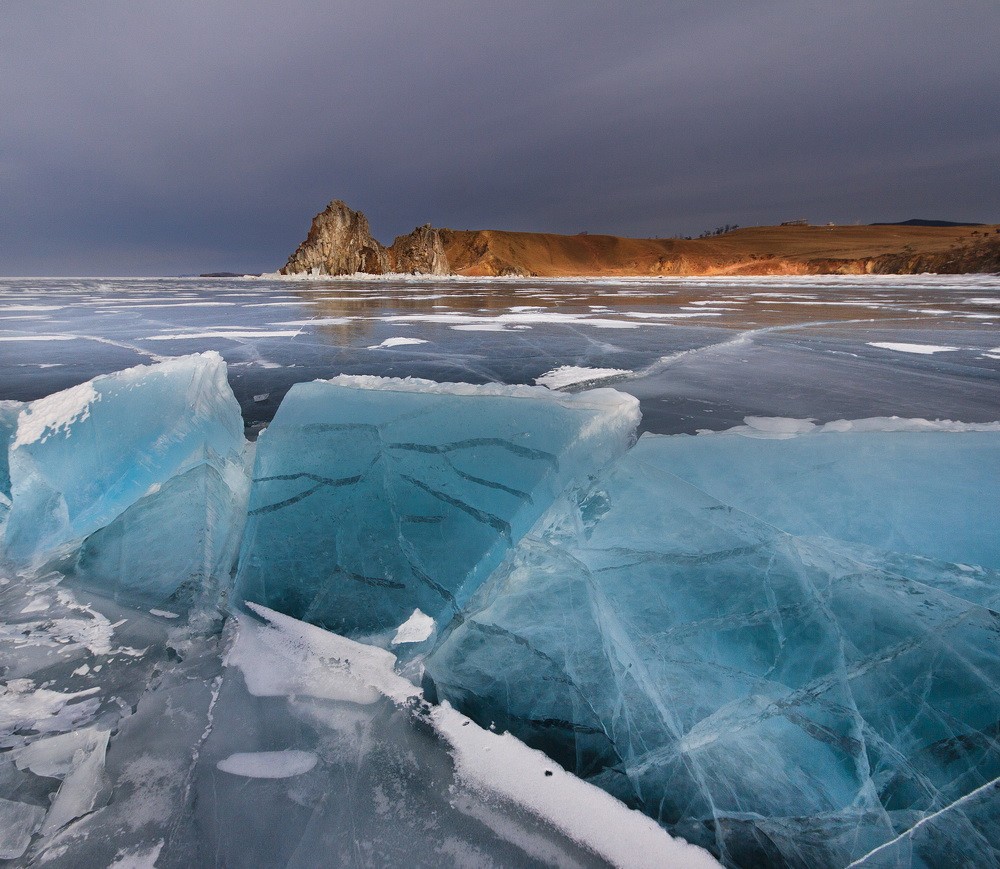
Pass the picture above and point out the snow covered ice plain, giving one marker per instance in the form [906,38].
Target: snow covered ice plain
[341,642]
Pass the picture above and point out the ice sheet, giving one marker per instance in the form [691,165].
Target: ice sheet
[777,699]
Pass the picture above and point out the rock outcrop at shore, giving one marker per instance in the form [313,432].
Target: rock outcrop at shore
[421,252]
[340,243]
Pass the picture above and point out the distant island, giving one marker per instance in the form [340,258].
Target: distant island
[340,243]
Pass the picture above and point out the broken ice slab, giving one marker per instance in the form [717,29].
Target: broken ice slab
[9,411]
[18,821]
[82,458]
[760,694]
[911,486]
[172,546]
[373,497]
[320,754]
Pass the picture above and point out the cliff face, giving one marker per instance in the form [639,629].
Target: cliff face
[339,243]
[420,252]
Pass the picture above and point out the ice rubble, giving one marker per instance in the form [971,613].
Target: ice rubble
[780,642]
[179,737]
[375,496]
[770,696]
[274,742]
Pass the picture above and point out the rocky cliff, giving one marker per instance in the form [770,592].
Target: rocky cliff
[420,252]
[340,243]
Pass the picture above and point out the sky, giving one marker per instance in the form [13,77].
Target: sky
[142,138]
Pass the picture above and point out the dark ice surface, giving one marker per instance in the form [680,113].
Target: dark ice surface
[701,353]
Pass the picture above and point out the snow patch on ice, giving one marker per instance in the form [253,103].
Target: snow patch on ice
[268,764]
[286,657]
[502,764]
[417,628]
[923,349]
[396,342]
[38,337]
[138,858]
[572,375]
[232,333]
[18,822]
[602,398]
[47,416]
[779,428]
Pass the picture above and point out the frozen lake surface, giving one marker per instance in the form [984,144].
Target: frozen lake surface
[428,623]
[698,353]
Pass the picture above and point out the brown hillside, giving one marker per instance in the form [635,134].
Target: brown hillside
[755,250]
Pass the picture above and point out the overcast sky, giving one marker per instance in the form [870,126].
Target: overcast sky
[194,135]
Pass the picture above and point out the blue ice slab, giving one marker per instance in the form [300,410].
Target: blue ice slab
[374,497]
[767,696]
[9,411]
[81,458]
[913,486]
[172,547]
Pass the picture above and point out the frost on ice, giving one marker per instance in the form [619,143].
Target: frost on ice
[780,699]
[372,497]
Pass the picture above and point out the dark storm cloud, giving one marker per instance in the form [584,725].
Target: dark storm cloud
[183,136]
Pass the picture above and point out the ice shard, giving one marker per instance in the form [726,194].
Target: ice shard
[174,545]
[769,696]
[374,497]
[9,411]
[134,483]
[82,458]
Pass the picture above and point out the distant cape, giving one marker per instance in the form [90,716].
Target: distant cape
[340,242]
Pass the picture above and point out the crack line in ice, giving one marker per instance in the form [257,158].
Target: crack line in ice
[323,482]
[472,443]
[378,581]
[482,516]
[909,833]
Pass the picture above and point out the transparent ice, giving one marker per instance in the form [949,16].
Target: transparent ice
[777,642]
[135,480]
[374,497]
[142,723]
[776,698]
